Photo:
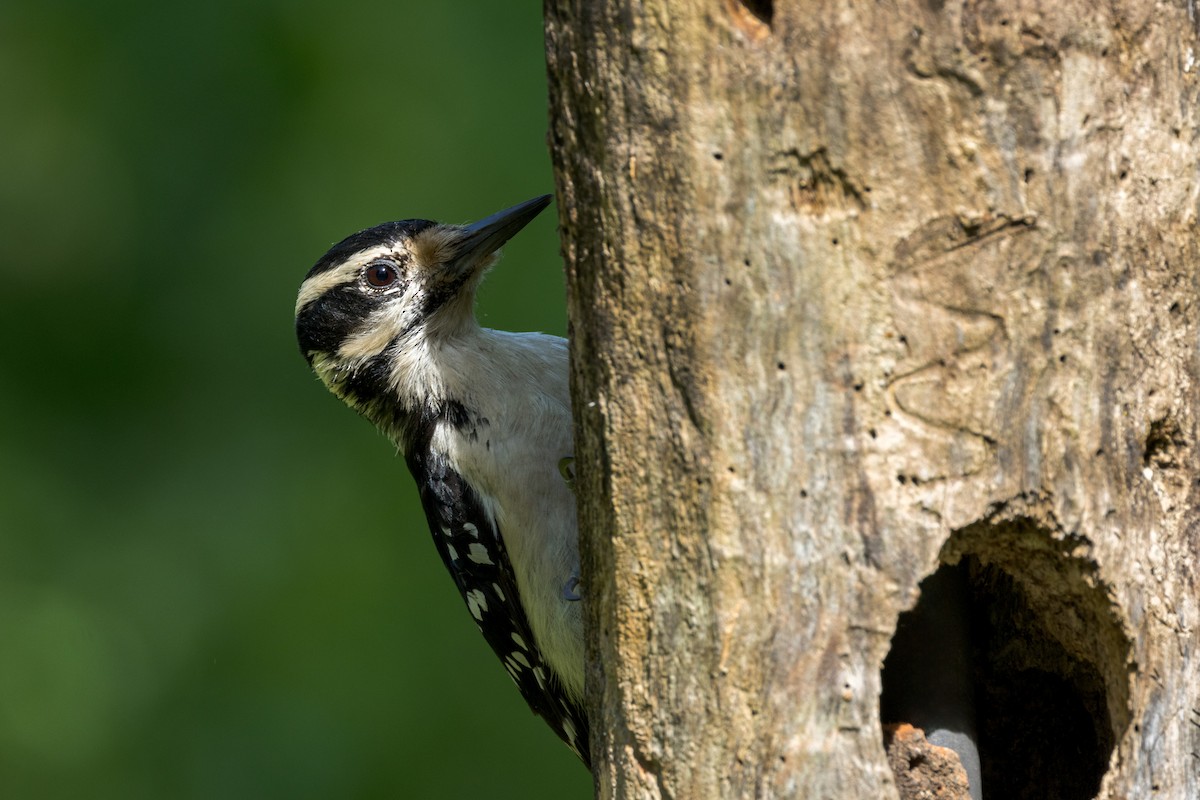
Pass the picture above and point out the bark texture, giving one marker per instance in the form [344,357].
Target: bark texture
[861,289]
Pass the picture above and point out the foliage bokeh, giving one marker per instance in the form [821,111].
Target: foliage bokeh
[215,581]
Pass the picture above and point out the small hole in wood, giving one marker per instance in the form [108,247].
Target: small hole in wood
[761,10]
[1165,445]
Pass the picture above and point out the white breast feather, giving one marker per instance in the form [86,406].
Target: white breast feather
[518,383]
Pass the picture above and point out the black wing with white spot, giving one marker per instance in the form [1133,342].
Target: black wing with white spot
[472,549]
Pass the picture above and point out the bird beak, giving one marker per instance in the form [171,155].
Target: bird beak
[485,237]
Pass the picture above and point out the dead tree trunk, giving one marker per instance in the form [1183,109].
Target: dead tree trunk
[858,290]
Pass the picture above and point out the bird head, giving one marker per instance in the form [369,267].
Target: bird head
[389,293]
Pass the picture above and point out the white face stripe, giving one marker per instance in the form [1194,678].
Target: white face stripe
[379,329]
[428,248]
[346,272]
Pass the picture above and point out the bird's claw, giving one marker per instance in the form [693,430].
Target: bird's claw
[565,469]
[571,588]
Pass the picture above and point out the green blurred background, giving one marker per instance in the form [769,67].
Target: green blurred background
[215,580]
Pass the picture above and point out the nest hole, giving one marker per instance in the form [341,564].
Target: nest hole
[1017,634]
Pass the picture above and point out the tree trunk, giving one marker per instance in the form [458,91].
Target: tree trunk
[859,292]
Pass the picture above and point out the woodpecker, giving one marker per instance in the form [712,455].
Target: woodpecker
[483,417]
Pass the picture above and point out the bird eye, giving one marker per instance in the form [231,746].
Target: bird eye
[381,274]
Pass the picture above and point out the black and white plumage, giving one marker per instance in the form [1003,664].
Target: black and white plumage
[386,320]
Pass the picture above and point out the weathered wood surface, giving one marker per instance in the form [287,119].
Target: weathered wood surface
[854,288]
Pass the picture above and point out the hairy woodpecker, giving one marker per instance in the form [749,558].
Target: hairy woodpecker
[386,320]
